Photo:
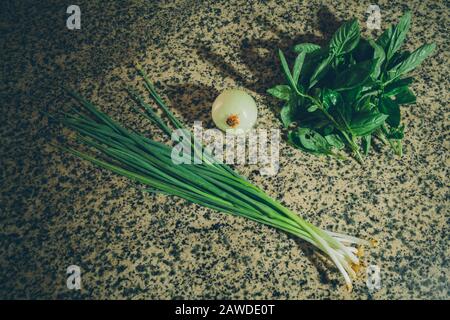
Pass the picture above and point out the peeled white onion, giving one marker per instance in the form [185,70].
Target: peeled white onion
[234,110]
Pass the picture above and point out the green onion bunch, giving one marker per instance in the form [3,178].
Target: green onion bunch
[211,184]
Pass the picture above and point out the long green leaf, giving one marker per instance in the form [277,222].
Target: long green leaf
[379,56]
[410,63]
[320,71]
[298,66]
[282,92]
[392,109]
[398,35]
[287,72]
[354,76]
[365,123]
[306,47]
[345,39]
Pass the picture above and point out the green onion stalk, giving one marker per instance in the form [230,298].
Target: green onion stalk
[211,184]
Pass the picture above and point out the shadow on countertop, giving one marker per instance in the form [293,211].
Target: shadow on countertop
[265,68]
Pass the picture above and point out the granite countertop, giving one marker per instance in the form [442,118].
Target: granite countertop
[57,210]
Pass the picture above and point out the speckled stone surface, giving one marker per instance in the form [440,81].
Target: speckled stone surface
[56,210]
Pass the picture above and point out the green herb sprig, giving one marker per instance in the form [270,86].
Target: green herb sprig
[346,93]
[211,184]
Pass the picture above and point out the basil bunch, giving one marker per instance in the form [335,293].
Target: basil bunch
[348,92]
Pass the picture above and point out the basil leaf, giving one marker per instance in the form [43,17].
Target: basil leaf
[294,139]
[312,108]
[335,141]
[354,76]
[298,66]
[407,65]
[394,91]
[345,39]
[379,56]
[306,47]
[402,95]
[392,109]
[391,88]
[282,92]
[384,39]
[392,38]
[363,51]
[397,58]
[286,115]
[398,35]
[330,98]
[351,95]
[363,104]
[286,71]
[310,64]
[366,122]
[320,71]
[312,120]
[290,111]
[405,96]
[313,141]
